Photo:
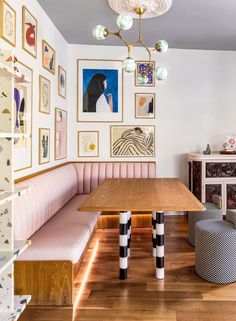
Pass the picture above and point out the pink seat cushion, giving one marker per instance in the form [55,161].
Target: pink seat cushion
[65,235]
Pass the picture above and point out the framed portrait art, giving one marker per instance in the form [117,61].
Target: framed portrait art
[88,143]
[60,134]
[144,66]
[48,57]
[44,95]
[23,103]
[7,23]
[100,91]
[44,145]
[61,82]
[145,105]
[29,32]
[132,141]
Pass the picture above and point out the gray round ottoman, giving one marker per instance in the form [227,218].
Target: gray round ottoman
[212,212]
[216,251]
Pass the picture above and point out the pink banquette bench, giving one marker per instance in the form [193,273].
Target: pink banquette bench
[60,234]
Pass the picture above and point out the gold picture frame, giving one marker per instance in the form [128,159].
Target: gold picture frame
[25,11]
[61,74]
[7,22]
[140,66]
[89,144]
[49,60]
[42,149]
[60,128]
[128,147]
[44,95]
[141,114]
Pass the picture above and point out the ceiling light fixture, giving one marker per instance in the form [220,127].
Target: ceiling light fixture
[129,9]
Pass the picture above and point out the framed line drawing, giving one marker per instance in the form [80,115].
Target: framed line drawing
[44,95]
[44,145]
[7,23]
[61,82]
[88,143]
[60,134]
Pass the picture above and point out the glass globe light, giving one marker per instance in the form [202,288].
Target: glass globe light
[142,78]
[161,73]
[124,21]
[161,46]
[100,32]
[129,64]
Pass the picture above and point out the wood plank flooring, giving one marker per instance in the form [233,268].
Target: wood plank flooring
[182,296]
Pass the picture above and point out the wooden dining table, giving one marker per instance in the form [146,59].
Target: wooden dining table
[158,195]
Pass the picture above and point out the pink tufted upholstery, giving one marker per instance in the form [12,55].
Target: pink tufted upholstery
[90,175]
[49,193]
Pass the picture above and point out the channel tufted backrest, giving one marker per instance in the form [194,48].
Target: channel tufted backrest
[90,175]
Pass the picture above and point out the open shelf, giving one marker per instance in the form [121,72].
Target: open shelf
[9,72]
[20,303]
[9,196]
[8,257]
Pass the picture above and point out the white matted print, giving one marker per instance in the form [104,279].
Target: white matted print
[7,23]
[132,141]
[100,91]
[60,134]
[48,57]
[61,82]
[44,95]
[29,32]
[44,145]
[145,105]
[88,144]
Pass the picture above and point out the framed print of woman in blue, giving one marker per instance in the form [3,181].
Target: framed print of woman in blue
[100,91]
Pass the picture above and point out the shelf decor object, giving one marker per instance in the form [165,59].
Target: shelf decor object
[137,9]
[11,306]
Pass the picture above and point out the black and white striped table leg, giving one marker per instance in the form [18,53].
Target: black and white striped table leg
[129,232]
[123,245]
[154,250]
[160,271]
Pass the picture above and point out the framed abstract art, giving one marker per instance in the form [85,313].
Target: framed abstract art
[88,143]
[100,91]
[7,23]
[144,66]
[44,95]
[61,82]
[29,32]
[145,105]
[44,145]
[60,134]
[132,141]
[48,57]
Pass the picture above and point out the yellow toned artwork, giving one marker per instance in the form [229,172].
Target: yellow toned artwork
[88,144]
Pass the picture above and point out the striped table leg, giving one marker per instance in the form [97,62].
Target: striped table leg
[129,232]
[154,250]
[160,272]
[123,245]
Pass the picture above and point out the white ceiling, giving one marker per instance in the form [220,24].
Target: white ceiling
[190,24]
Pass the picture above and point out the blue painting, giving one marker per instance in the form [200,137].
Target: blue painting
[145,67]
[100,91]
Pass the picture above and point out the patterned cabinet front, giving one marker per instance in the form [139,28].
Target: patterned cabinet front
[212,189]
[197,180]
[231,196]
[217,170]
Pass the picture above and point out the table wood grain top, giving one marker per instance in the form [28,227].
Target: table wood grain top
[160,194]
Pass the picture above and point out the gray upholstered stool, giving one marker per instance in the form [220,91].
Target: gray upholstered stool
[216,250]
[213,211]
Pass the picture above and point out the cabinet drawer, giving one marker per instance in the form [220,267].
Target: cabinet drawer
[220,170]
[212,189]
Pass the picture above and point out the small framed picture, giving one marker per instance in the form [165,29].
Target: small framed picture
[145,105]
[44,145]
[88,143]
[61,82]
[48,57]
[60,134]
[44,95]
[148,68]
[7,23]
[29,32]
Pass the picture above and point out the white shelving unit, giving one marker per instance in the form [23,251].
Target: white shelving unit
[11,306]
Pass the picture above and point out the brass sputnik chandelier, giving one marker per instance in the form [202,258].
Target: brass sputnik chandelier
[129,9]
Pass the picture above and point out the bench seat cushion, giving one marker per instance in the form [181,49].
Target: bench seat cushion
[65,235]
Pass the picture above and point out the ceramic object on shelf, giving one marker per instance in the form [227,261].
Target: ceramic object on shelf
[207,151]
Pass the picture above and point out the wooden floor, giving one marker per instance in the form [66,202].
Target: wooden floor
[182,296]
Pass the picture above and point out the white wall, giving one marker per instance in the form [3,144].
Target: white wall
[195,106]
[47,31]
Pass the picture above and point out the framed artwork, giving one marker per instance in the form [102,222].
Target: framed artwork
[60,134]
[61,82]
[145,105]
[48,57]
[23,104]
[132,141]
[44,95]
[88,143]
[100,91]
[44,145]
[7,23]
[29,32]
[143,66]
